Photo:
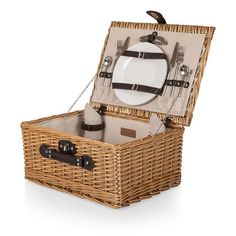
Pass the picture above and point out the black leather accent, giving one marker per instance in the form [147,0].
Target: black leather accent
[137,87]
[177,83]
[84,161]
[48,152]
[92,127]
[157,16]
[145,55]
[104,74]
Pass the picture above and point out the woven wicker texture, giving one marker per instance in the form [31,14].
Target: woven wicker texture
[123,173]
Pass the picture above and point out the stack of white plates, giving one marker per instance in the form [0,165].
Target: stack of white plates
[132,70]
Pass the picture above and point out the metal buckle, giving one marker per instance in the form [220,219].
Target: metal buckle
[157,90]
[141,55]
[134,87]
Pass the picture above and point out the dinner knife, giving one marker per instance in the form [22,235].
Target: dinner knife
[172,62]
[124,47]
[174,56]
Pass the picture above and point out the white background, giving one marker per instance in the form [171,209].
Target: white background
[49,50]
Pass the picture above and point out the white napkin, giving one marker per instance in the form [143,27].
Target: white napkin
[156,126]
[91,117]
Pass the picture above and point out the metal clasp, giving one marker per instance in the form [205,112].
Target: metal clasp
[134,87]
[141,55]
[157,91]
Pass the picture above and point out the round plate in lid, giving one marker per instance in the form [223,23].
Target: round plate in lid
[132,70]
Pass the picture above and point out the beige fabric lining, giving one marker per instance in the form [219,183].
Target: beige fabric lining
[193,44]
[71,125]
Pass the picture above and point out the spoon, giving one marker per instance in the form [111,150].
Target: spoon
[184,71]
[106,64]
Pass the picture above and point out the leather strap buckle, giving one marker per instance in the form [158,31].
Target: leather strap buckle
[141,55]
[134,87]
[157,91]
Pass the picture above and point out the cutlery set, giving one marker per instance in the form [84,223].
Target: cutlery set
[108,61]
[179,60]
[106,64]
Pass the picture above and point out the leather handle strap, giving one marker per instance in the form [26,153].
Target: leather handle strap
[145,55]
[92,127]
[84,161]
[137,87]
[157,16]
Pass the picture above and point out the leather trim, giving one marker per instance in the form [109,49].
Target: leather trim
[137,87]
[104,74]
[145,55]
[177,83]
[92,127]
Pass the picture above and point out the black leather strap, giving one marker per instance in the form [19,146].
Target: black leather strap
[157,16]
[92,127]
[177,83]
[137,87]
[145,55]
[149,89]
[104,74]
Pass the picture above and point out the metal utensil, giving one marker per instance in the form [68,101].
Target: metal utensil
[125,45]
[185,74]
[149,37]
[174,56]
[106,64]
[184,71]
[119,47]
[172,62]
[120,51]
[179,61]
[154,38]
[108,60]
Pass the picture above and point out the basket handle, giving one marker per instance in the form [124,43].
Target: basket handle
[157,16]
[84,161]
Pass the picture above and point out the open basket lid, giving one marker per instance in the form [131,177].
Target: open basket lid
[195,44]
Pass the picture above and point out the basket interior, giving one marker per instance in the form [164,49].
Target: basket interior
[111,134]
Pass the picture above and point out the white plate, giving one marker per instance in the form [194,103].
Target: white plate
[150,72]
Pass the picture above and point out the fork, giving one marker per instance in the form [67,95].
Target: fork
[179,61]
[119,47]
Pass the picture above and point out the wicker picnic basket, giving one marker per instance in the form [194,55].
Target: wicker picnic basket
[119,174]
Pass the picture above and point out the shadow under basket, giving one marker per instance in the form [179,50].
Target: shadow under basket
[122,173]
